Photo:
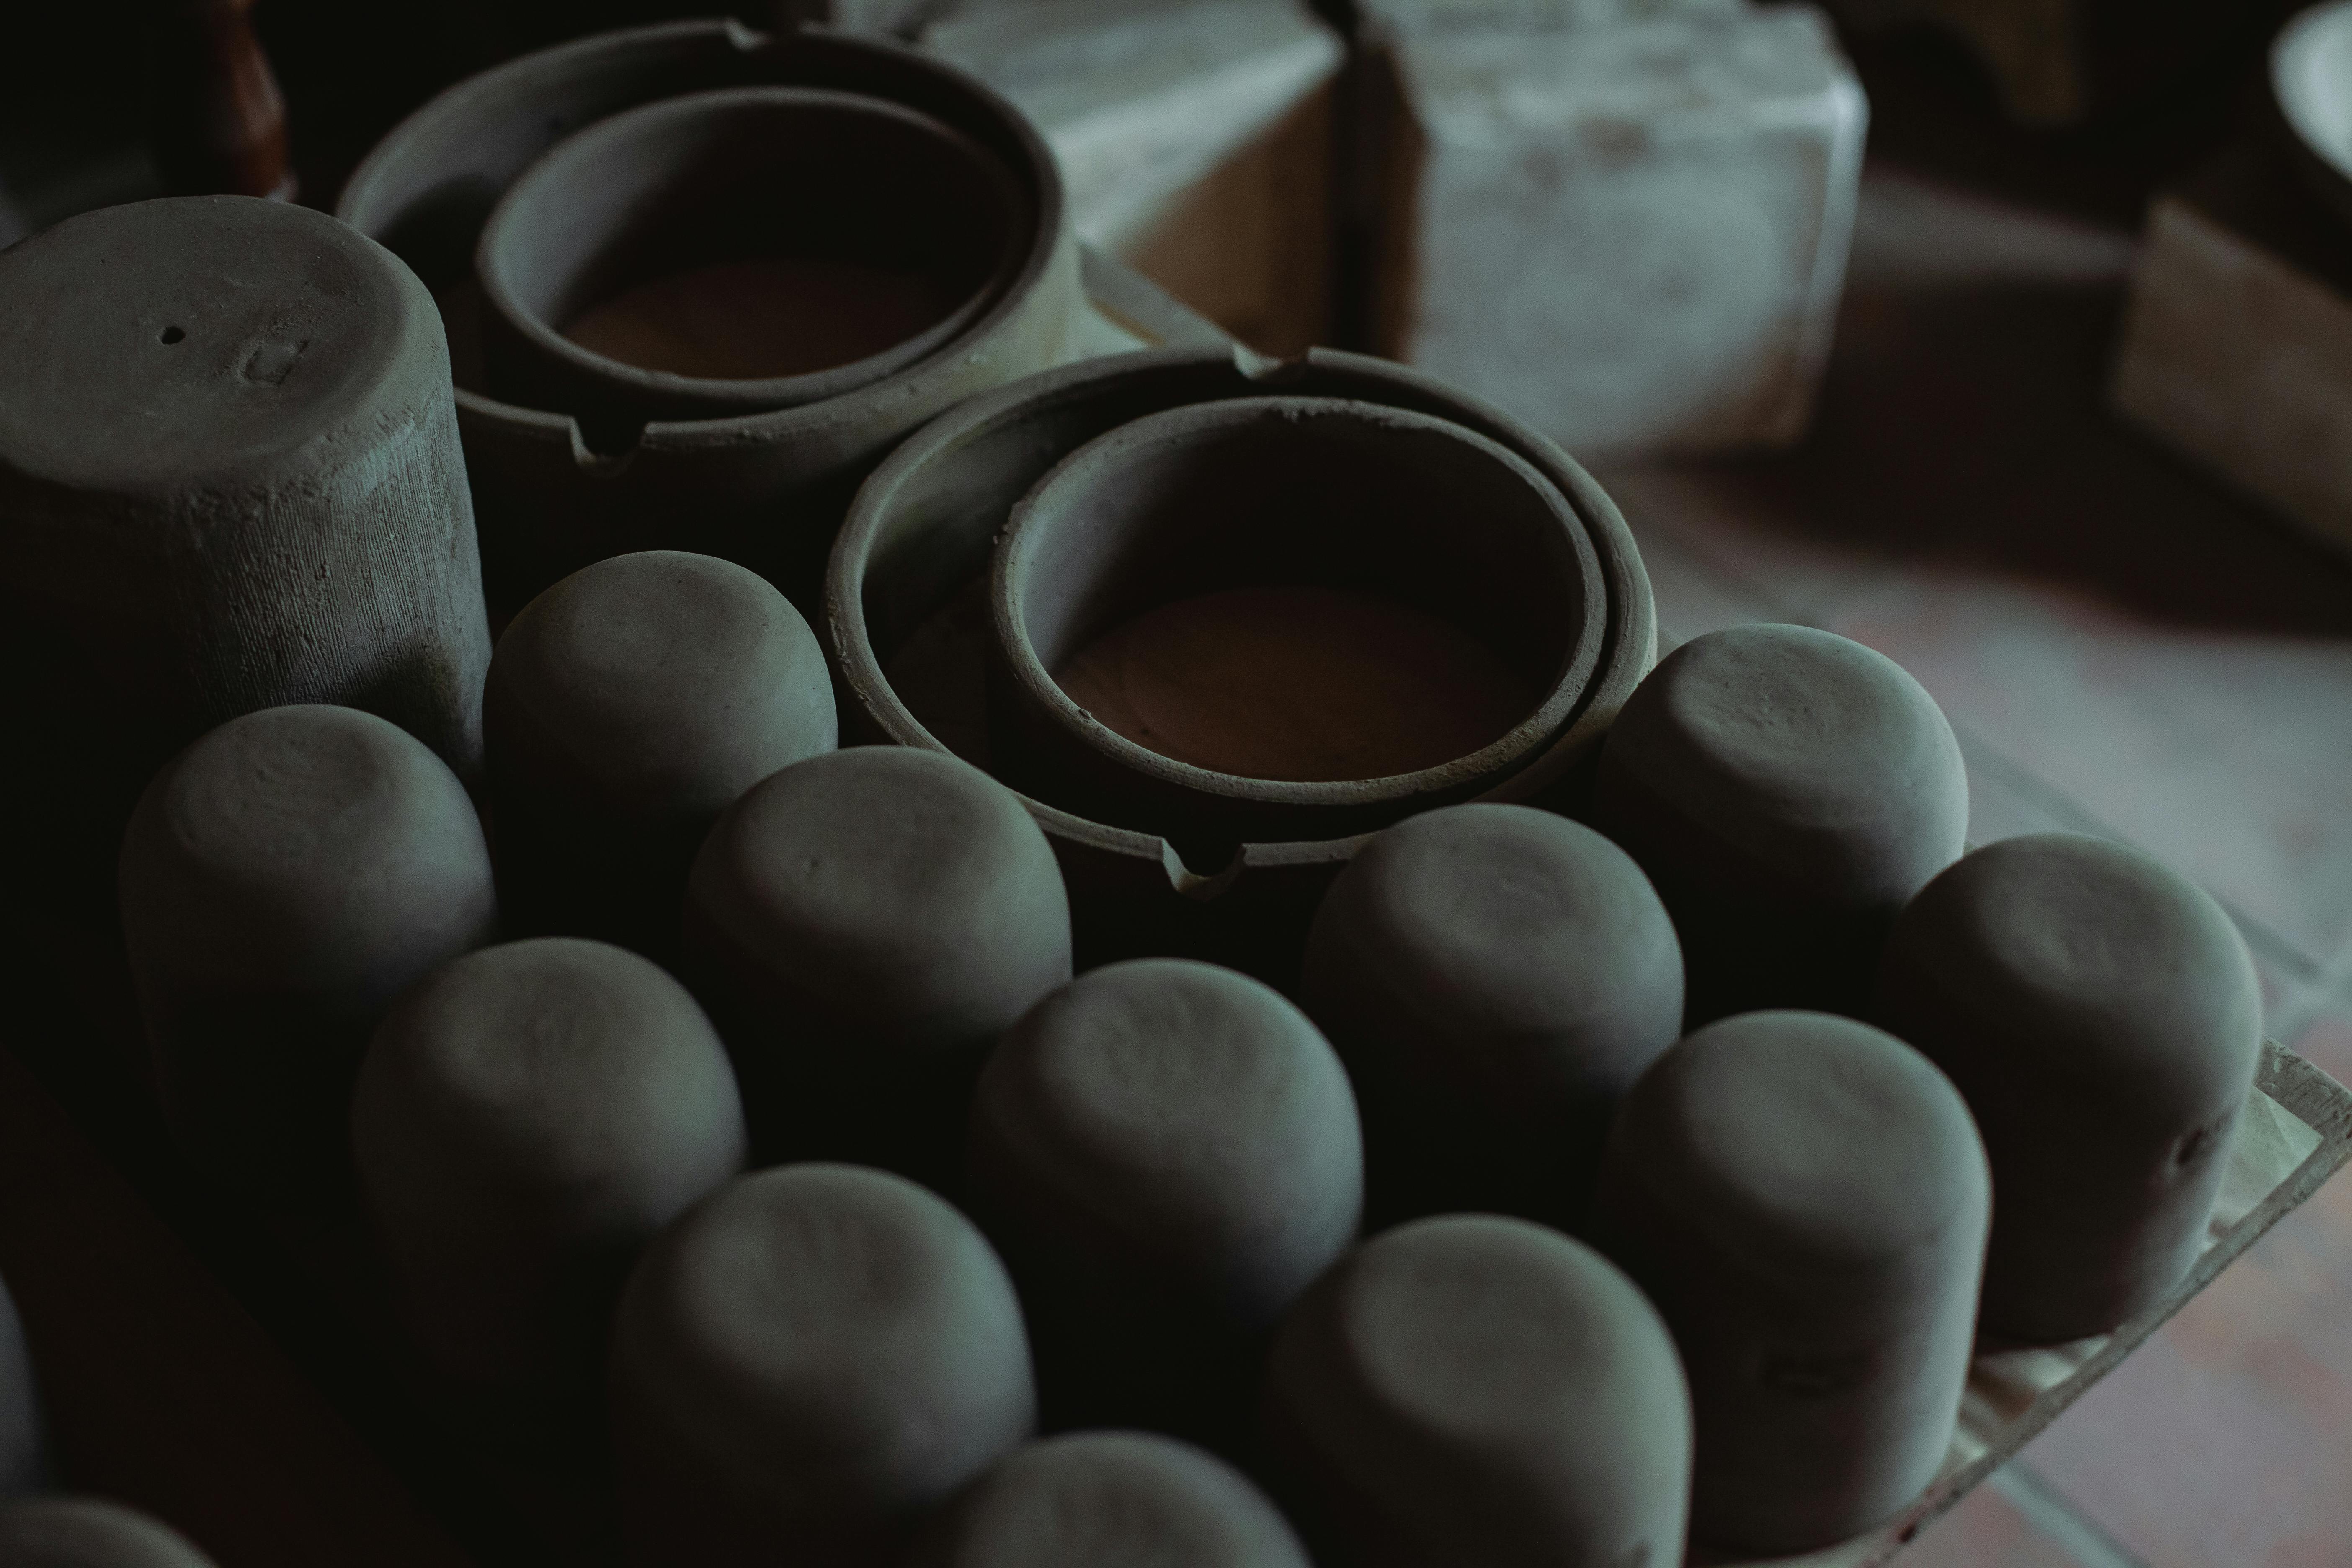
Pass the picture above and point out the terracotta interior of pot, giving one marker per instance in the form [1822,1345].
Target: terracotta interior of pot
[1343,596]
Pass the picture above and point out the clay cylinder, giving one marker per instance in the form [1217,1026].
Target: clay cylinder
[87,1532]
[2102,1017]
[1109,1500]
[803,1366]
[282,880]
[862,925]
[627,707]
[1805,1198]
[1495,977]
[1787,791]
[1473,1389]
[525,1121]
[229,480]
[24,1463]
[1167,1153]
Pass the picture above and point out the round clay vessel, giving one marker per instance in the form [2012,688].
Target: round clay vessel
[1109,1500]
[2310,79]
[764,488]
[1787,791]
[862,926]
[24,1463]
[283,881]
[1496,977]
[910,569]
[1477,1391]
[89,1532]
[1805,1199]
[627,707]
[525,1121]
[777,175]
[2102,1017]
[1167,1153]
[807,1363]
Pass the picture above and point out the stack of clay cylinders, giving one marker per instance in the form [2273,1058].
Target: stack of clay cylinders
[700,279]
[1207,688]
[628,706]
[1805,1199]
[1787,791]
[2101,1015]
[24,1448]
[1167,1155]
[90,1533]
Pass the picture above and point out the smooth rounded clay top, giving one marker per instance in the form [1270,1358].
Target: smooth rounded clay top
[86,1532]
[205,342]
[1110,1499]
[665,682]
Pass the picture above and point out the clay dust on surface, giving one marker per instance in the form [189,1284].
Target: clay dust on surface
[1299,684]
[771,316]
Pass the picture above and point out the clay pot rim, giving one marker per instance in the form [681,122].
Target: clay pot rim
[2326,166]
[497,88]
[731,397]
[1104,461]
[1630,639]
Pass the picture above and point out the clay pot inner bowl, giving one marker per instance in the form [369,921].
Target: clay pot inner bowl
[2311,77]
[749,249]
[1258,536]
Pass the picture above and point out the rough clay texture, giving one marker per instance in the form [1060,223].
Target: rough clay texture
[23,1464]
[1496,977]
[2101,1015]
[1805,1198]
[803,1366]
[524,1122]
[1110,1499]
[282,880]
[1473,1392]
[86,1532]
[1787,791]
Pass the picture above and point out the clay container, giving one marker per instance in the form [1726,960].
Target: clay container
[1787,791]
[765,489]
[24,1462]
[1476,1389]
[281,882]
[1805,1199]
[90,1533]
[1109,1500]
[807,1363]
[892,228]
[908,615]
[862,925]
[627,707]
[2101,1015]
[1495,978]
[1167,1155]
[1286,522]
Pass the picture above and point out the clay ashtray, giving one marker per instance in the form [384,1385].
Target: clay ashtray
[740,251]
[2311,82]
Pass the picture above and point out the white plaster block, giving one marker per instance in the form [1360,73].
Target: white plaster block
[1631,232]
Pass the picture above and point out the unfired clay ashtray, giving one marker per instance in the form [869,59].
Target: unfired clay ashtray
[2311,82]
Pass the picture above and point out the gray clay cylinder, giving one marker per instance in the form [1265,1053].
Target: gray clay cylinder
[229,480]
[283,881]
[87,1532]
[1109,1500]
[804,1365]
[1787,791]
[1805,1199]
[525,1123]
[1168,1154]
[1495,977]
[24,1463]
[862,925]
[627,707]
[2102,1017]
[1476,1392]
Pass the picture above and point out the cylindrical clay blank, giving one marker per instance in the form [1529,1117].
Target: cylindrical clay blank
[282,880]
[24,1463]
[1109,1500]
[1168,1154]
[1787,791]
[2101,1014]
[87,1532]
[627,707]
[526,1121]
[1805,1199]
[1495,977]
[1475,1391]
[807,1363]
[862,925]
